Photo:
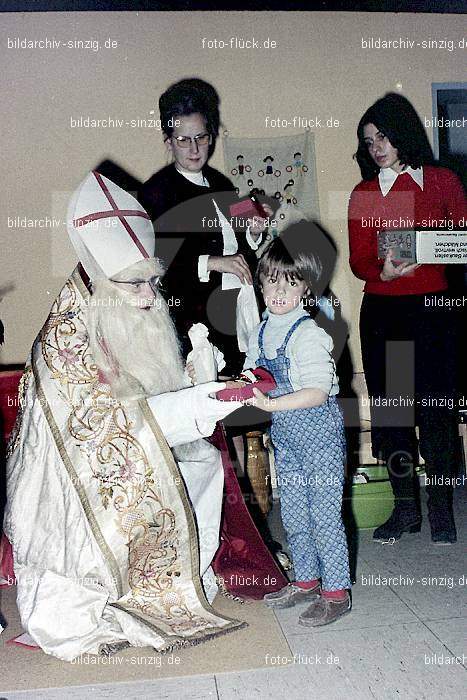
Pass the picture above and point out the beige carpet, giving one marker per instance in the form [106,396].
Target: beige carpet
[26,669]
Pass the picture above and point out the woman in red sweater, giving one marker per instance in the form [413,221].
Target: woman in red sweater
[407,320]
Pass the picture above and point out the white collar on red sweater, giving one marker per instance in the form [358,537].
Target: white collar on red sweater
[388,176]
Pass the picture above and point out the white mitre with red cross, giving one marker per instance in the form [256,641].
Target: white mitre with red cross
[108,228]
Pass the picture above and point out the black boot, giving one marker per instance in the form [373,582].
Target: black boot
[404,518]
[440,514]
[406,515]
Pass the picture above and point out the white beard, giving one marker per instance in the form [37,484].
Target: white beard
[136,350]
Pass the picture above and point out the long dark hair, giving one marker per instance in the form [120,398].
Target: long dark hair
[190,96]
[395,117]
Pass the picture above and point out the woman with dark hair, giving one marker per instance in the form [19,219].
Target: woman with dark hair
[404,131]
[207,253]
[407,330]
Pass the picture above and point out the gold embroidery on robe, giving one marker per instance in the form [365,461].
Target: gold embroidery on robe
[124,477]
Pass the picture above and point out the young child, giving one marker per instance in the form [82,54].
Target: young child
[307,428]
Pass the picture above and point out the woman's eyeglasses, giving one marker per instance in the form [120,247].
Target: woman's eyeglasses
[185,141]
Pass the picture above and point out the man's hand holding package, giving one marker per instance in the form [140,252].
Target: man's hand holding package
[192,413]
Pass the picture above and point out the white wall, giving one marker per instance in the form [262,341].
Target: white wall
[319,68]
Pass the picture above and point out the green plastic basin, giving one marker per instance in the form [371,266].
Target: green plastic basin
[372,502]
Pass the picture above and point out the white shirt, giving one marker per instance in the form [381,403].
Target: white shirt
[388,176]
[195,178]
[309,351]
[229,281]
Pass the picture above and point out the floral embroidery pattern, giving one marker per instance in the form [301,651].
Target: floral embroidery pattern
[64,348]
[102,429]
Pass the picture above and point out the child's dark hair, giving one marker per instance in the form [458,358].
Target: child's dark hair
[291,255]
[395,117]
[190,96]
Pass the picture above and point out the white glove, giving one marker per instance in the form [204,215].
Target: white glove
[189,414]
[210,410]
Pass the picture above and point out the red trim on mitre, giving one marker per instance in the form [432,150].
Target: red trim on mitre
[83,220]
[115,211]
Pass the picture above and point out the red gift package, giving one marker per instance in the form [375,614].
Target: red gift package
[258,378]
[247,209]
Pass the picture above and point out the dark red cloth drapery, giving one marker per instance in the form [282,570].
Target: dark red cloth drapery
[9,400]
[8,409]
[243,561]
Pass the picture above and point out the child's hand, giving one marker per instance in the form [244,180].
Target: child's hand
[190,368]
[262,401]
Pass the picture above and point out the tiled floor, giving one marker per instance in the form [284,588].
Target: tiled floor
[405,637]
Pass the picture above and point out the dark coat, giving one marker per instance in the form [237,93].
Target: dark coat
[186,225]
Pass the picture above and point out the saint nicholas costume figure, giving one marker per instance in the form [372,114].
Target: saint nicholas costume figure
[114,496]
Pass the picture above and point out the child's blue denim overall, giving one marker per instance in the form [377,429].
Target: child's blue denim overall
[309,448]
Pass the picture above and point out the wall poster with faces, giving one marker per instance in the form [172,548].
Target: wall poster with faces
[282,167]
